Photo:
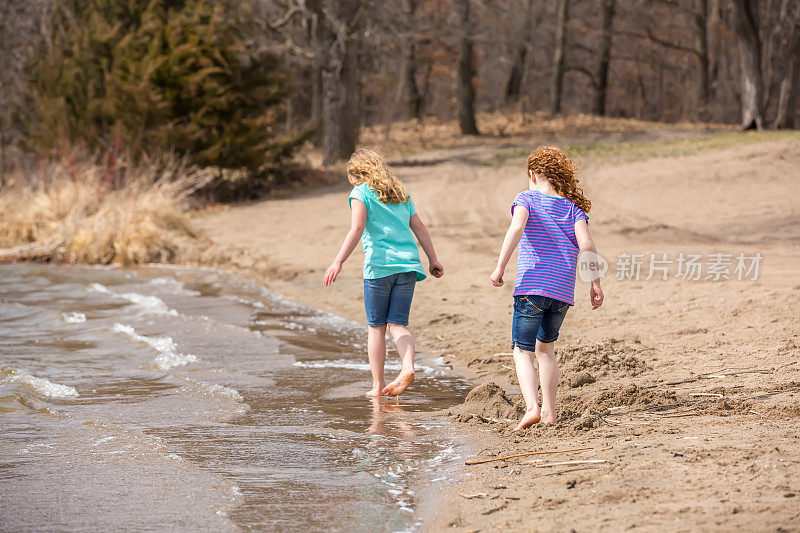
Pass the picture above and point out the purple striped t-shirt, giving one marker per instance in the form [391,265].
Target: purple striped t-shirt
[548,251]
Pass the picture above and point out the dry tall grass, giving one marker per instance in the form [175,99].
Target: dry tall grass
[90,212]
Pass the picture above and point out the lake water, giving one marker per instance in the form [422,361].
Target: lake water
[189,399]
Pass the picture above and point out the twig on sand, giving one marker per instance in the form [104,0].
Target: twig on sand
[495,509]
[507,367]
[471,496]
[620,423]
[504,457]
[679,415]
[503,354]
[718,395]
[567,471]
[565,463]
[717,374]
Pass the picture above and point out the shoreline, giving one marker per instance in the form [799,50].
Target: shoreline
[664,446]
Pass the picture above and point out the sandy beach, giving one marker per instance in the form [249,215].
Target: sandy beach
[686,391]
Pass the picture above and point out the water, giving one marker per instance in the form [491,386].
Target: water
[188,399]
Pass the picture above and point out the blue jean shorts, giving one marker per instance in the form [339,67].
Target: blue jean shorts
[388,299]
[536,318]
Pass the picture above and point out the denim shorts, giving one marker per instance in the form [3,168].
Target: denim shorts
[536,318]
[388,300]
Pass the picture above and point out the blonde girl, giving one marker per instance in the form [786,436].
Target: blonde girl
[383,217]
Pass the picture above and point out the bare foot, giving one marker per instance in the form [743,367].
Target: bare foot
[400,383]
[530,418]
[375,391]
[549,417]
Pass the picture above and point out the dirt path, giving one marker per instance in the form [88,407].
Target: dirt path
[693,385]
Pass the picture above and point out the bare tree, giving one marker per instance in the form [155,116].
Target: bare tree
[466,71]
[700,17]
[746,26]
[514,81]
[412,99]
[337,46]
[607,8]
[787,97]
[557,80]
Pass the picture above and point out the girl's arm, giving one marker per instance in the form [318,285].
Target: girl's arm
[424,238]
[513,235]
[358,219]
[586,244]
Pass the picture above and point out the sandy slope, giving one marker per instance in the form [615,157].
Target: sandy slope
[734,461]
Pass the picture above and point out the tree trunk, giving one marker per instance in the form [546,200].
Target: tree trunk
[466,72]
[787,98]
[339,54]
[557,81]
[607,8]
[412,100]
[514,81]
[316,104]
[746,25]
[700,17]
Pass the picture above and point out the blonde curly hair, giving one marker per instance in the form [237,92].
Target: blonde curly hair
[366,166]
[553,164]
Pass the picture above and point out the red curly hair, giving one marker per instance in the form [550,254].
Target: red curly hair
[553,164]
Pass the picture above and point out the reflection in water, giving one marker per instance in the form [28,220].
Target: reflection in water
[204,400]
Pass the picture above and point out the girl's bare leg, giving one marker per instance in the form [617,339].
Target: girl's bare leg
[376,350]
[548,371]
[529,383]
[404,341]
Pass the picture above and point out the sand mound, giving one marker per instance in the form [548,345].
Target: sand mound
[610,356]
[487,403]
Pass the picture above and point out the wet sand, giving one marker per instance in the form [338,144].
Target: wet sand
[693,385]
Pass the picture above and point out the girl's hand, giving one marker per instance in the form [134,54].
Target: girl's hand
[596,296]
[331,273]
[436,269]
[497,277]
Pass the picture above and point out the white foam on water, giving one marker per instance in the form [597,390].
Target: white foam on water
[41,386]
[214,389]
[97,287]
[147,303]
[74,318]
[168,355]
[173,286]
[343,363]
[356,365]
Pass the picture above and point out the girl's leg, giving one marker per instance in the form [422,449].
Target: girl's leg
[404,341]
[376,349]
[548,372]
[399,310]
[529,383]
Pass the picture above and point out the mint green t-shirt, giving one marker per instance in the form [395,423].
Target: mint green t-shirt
[389,244]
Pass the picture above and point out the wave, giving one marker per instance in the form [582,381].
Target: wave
[74,318]
[147,303]
[41,386]
[213,389]
[168,355]
[173,286]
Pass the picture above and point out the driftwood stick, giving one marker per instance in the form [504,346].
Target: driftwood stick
[503,458]
[33,250]
[476,495]
[566,463]
[679,415]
